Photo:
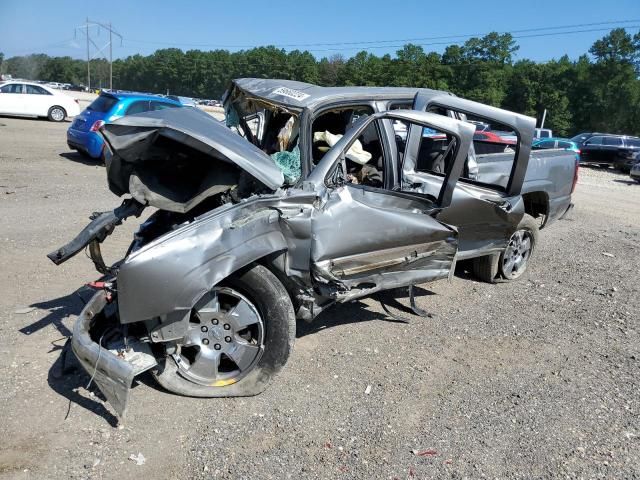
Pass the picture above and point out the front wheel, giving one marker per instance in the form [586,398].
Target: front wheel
[240,335]
[513,262]
[57,114]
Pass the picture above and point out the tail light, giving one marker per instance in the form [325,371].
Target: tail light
[96,125]
[575,174]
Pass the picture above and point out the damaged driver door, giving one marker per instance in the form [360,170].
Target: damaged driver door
[367,238]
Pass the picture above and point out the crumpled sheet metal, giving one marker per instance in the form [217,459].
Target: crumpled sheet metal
[388,280]
[114,376]
[197,257]
[393,230]
[130,137]
[293,95]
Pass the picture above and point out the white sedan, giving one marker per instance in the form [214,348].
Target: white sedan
[34,100]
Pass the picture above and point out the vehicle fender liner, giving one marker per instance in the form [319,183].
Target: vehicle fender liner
[171,274]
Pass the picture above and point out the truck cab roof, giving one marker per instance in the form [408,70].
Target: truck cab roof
[301,95]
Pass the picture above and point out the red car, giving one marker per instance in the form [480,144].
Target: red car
[491,137]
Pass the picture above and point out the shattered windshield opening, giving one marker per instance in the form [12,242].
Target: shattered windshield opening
[272,129]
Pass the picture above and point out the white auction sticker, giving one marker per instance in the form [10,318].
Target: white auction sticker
[291,93]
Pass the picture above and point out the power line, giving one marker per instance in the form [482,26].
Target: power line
[84,29]
[247,63]
[379,42]
[549,34]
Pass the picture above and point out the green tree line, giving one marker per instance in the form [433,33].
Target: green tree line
[598,91]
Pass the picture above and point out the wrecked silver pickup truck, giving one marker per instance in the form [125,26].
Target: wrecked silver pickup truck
[253,233]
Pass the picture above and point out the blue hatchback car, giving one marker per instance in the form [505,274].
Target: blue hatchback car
[83,136]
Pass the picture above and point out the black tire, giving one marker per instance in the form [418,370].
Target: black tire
[494,268]
[486,268]
[272,301]
[57,114]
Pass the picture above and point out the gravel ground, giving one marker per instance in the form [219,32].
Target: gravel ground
[534,379]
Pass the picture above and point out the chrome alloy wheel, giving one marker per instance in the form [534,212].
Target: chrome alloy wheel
[57,114]
[224,341]
[516,255]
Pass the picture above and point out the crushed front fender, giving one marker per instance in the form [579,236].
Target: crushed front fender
[111,368]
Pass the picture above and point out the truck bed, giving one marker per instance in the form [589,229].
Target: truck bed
[549,172]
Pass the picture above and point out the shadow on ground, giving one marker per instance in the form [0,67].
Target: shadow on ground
[81,158]
[358,311]
[59,309]
[67,378]
[626,182]
[30,119]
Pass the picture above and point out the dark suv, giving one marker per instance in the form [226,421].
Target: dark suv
[606,149]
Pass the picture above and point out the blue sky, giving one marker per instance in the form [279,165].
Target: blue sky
[47,26]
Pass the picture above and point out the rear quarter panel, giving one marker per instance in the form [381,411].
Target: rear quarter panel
[551,172]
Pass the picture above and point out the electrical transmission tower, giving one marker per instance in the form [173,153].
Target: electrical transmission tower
[86,30]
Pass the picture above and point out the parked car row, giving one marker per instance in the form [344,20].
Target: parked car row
[549,143]
[209,103]
[602,149]
[605,149]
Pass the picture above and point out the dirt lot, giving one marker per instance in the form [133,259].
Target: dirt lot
[539,378]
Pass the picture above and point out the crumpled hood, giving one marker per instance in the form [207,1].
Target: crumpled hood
[177,157]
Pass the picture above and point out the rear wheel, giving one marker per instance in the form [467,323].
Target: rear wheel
[513,262]
[57,114]
[240,336]
[515,258]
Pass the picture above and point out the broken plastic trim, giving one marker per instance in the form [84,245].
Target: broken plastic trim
[112,373]
[413,305]
[101,227]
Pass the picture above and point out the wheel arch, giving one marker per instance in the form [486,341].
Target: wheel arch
[276,263]
[198,257]
[536,204]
